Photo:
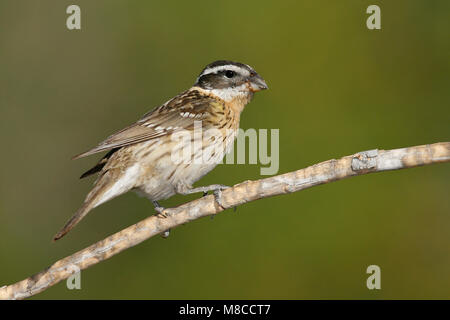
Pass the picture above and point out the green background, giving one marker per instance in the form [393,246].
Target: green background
[336,88]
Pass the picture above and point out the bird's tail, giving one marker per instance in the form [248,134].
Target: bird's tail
[72,222]
[93,199]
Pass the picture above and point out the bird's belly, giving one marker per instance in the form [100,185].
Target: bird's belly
[161,184]
[163,170]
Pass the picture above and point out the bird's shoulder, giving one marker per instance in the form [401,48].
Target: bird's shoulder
[193,103]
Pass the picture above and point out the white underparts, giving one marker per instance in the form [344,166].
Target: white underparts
[126,182]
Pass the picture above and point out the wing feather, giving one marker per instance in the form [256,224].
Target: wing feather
[176,114]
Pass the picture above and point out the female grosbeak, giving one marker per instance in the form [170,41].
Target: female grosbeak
[141,156]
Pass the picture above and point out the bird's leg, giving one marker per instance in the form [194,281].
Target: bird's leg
[216,188]
[159,209]
[161,214]
[185,189]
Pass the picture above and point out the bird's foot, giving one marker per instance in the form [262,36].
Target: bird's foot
[162,213]
[218,195]
[216,188]
[186,189]
[165,234]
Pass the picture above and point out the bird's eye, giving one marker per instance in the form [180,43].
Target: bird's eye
[230,74]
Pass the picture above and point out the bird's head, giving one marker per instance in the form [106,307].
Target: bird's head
[230,80]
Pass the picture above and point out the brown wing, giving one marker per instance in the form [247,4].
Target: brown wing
[176,114]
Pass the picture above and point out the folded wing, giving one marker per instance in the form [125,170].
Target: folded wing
[176,114]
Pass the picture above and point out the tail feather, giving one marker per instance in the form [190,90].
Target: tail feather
[73,221]
[93,199]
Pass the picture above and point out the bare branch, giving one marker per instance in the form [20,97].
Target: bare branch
[328,171]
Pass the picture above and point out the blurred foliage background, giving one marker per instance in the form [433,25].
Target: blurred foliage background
[335,88]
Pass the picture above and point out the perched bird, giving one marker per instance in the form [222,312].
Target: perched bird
[141,156]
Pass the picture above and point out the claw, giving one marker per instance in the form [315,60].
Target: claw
[217,194]
[165,234]
[161,211]
[161,215]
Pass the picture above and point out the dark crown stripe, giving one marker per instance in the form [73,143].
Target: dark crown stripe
[220,63]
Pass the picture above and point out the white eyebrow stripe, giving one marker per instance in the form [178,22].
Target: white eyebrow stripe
[226,67]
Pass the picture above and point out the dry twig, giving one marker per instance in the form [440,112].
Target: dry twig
[328,171]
